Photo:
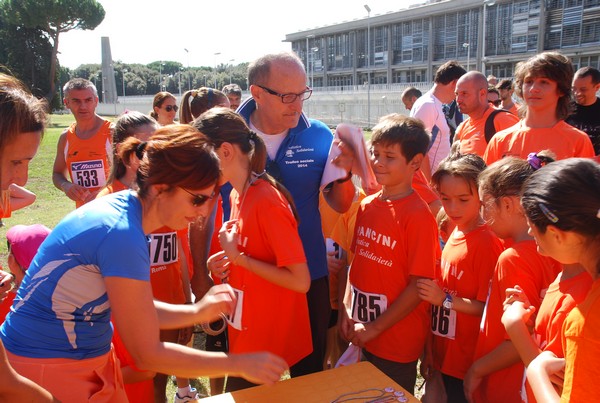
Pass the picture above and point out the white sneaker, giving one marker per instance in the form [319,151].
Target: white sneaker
[191,396]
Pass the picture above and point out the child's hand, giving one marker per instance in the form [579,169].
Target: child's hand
[334,264]
[228,238]
[471,382]
[515,294]
[219,266]
[363,333]
[345,324]
[430,291]
[517,312]
[5,284]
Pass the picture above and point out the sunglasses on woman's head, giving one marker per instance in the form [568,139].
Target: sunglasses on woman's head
[198,200]
[170,108]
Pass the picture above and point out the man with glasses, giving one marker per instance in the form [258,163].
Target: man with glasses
[298,150]
[483,119]
[85,148]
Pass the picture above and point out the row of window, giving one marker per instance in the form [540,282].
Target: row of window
[510,28]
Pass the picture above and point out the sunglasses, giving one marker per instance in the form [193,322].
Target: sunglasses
[170,108]
[198,200]
[496,102]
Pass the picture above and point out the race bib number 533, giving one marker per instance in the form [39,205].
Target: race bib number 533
[366,307]
[89,174]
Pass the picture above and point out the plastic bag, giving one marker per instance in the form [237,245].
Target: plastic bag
[352,355]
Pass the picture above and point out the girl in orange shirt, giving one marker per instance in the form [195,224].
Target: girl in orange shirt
[497,371]
[562,203]
[262,257]
[468,260]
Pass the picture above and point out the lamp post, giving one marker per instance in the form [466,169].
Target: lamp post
[486,3]
[312,66]
[308,52]
[124,71]
[204,79]
[216,54]
[231,73]
[468,47]
[368,65]
[180,71]
[188,69]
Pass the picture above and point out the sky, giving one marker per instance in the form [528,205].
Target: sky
[238,30]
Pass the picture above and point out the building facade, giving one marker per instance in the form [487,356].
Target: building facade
[407,46]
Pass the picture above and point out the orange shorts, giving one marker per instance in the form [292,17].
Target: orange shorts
[95,380]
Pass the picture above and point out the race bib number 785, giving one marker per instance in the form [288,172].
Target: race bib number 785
[366,307]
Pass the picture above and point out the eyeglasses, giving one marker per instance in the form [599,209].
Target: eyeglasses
[198,200]
[496,102]
[289,97]
[170,108]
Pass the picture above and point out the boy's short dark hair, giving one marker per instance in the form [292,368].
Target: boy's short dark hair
[407,132]
[448,72]
[411,92]
[232,89]
[505,84]
[492,89]
[588,71]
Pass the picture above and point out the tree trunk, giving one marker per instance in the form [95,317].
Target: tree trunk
[53,63]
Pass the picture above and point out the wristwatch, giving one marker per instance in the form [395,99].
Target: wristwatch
[448,304]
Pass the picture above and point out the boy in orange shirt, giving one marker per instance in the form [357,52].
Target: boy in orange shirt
[544,83]
[395,244]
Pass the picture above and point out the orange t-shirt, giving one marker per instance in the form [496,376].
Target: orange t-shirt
[420,185]
[393,240]
[267,317]
[6,304]
[88,161]
[563,140]
[338,228]
[467,266]
[5,210]
[165,265]
[581,342]
[520,264]
[471,132]
[560,299]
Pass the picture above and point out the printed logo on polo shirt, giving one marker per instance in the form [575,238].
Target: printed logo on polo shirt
[299,161]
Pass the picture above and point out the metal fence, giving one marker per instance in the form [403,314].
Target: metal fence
[331,105]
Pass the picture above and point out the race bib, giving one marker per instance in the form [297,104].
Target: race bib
[89,174]
[366,307]
[163,248]
[235,319]
[443,322]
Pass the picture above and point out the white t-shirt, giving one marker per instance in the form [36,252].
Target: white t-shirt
[429,110]
[272,141]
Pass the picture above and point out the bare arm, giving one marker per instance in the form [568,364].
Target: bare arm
[295,277]
[340,194]
[59,174]
[139,333]
[431,292]
[20,197]
[200,234]
[406,302]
